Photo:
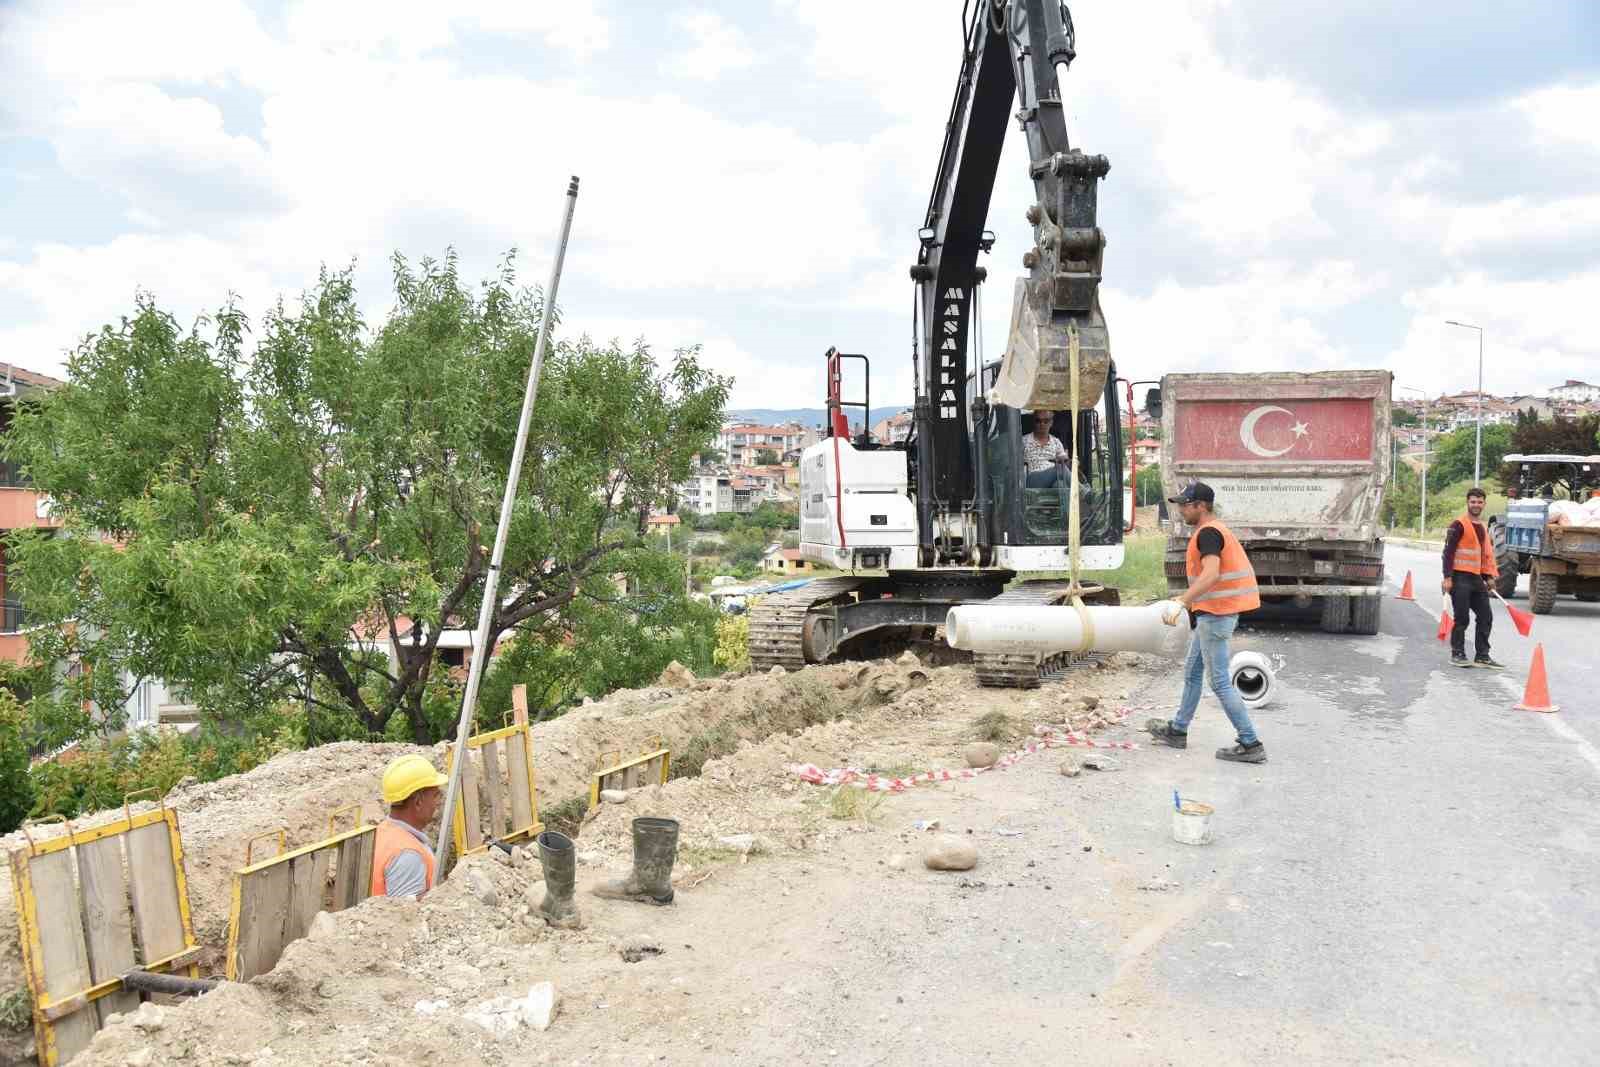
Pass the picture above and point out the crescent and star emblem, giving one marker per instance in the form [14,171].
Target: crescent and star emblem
[1247,431]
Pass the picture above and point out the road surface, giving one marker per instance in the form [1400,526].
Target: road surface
[1412,878]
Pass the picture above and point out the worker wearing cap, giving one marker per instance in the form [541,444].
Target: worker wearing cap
[1222,586]
[402,860]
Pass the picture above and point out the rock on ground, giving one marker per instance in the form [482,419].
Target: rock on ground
[982,754]
[950,853]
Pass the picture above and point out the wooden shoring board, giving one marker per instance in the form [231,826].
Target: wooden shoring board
[352,880]
[471,803]
[158,912]
[521,788]
[494,783]
[109,920]
[648,769]
[57,955]
[275,900]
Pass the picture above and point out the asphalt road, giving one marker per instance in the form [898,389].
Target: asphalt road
[1411,878]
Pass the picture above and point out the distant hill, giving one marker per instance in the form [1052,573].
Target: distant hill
[805,416]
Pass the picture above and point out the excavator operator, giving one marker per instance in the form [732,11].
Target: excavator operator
[1043,453]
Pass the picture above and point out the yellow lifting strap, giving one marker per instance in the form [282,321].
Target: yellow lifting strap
[1074,527]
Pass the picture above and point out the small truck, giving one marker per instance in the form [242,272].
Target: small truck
[1558,558]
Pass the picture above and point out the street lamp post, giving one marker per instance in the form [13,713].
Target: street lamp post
[1477,450]
[1422,520]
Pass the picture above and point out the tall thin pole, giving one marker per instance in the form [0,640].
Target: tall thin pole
[1477,451]
[491,585]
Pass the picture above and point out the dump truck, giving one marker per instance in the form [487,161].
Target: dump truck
[1299,463]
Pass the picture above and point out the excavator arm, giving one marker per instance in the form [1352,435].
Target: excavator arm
[1013,50]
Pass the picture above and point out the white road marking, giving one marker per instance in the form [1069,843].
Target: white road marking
[1553,720]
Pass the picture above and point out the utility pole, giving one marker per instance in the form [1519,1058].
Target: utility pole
[1422,521]
[1477,452]
[482,649]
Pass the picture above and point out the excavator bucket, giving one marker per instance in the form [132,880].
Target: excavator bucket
[1035,370]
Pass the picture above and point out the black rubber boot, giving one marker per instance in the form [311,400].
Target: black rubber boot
[560,861]
[655,848]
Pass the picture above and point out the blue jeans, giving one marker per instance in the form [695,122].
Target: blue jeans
[1045,479]
[1208,660]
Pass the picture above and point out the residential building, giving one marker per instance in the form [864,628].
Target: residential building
[1576,392]
[707,491]
[1147,451]
[780,560]
[743,443]
[21,507]
[893,430]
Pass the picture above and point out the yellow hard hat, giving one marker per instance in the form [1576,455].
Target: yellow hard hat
[407,774]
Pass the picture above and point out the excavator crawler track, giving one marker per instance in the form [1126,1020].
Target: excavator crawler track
[1011,670]
[777,622]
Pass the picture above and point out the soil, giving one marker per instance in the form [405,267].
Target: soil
[760,850]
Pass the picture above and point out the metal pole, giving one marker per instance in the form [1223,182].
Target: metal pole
[1477,452]
[491,584]
[1423,528]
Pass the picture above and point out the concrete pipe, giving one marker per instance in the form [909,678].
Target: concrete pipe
[1059,628]
[1252,677]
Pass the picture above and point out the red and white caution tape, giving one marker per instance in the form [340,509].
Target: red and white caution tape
[1047,737]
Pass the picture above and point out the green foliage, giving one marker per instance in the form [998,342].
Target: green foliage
[733,642]
[1453,453]
[1141,579]
[16,788]
[271,491]
[1148,488]
[16,1010]
[1400,417]
[766,457]
[1558,436]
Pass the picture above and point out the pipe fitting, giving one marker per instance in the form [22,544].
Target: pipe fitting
[1251,674]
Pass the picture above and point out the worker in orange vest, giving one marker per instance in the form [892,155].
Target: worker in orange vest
[1469,567]
[402,860]
[1222,586]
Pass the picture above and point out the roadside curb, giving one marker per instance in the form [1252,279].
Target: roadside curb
[1409,542]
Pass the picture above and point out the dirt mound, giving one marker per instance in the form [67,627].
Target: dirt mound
[395,982]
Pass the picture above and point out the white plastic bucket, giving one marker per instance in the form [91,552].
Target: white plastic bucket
[1191,823]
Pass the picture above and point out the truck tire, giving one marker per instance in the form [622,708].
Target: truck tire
[1588,598]
[1365,614]
[1506,559]
[1335,614]
[1541,591]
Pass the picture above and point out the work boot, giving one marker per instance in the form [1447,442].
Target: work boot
[655,847]
[1162,732]
[1491,664]
[1243,753]
[1459,659]
[559,859]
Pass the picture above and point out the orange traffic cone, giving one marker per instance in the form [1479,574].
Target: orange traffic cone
[1536,697]
[1405,590]
[1446,623]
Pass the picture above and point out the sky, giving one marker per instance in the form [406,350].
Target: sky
[1291,187]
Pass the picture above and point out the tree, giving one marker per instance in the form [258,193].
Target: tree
[1148,486]
[1558,436]
[1453,453]
[296,516]
[766,457]
[16,788]
[1401,417]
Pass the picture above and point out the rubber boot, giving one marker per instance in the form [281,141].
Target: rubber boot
[559,859]
[655,847]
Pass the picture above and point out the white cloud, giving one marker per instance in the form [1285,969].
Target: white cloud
[716,48]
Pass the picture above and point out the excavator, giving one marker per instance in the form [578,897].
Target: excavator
[947,517]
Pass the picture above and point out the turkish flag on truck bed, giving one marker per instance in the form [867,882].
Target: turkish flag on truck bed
[1288,431]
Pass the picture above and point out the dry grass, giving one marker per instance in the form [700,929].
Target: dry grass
[851,804]
[994,726]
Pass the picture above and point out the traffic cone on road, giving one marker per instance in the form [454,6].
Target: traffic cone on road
[1405,590]
[1445,624]
[1536,697]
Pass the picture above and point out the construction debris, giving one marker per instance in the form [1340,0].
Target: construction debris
[948,852]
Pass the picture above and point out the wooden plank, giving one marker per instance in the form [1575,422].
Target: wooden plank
[64,956]
[263,916]
[519,705]
[155,892]
[471,805]
[108,919]
[494,784]
[521,792]
[363,886]
[308,877]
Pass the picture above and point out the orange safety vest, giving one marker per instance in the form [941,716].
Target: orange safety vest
[1235,591]
[390,841]
[1472,556]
